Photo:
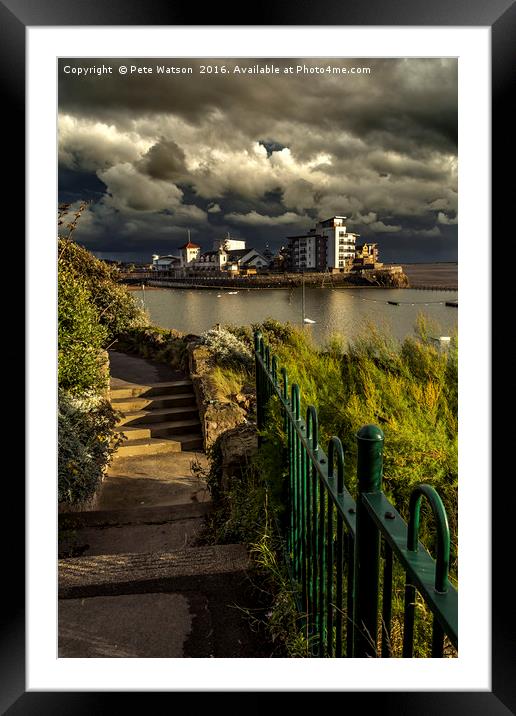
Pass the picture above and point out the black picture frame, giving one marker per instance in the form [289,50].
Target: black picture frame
[500,16]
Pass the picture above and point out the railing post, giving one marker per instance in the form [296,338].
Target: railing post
[258,343]
[367,554]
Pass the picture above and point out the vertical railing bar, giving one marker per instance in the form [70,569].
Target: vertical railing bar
[329,580]
[294,477]
[301,548]
[339,604]
[408,623]
[309,556]
[315,564]
[387,602]
[369,474]
[437,639]
[322,567]
[350,602]
[289,498]
[335,607]
[298,506]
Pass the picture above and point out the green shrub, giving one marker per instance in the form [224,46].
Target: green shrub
[115,307]
[80,336]
[86,443]
[160,344]
[228,349]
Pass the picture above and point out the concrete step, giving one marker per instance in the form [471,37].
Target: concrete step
[128,538]
[158,625]
[162,429]
[147,446]
[139,417]
[140,442]
[150,403]
[159,514]
[177,569]
[191,441]
[168,388]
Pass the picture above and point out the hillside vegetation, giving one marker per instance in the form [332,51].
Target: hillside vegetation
[93,309]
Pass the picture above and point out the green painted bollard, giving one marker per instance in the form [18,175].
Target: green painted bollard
[367,554]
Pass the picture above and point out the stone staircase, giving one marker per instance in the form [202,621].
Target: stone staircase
[157,418]
[142,587]
[135,577]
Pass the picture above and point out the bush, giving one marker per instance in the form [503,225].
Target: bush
[160,344]
[80,336]
[86,444]
[115,307]
[227,349]
[92,310]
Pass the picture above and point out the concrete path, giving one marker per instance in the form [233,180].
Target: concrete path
[126,369]
[135,579]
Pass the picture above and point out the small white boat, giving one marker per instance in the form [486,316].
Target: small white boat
[232,293]
[305,320]
[219,295]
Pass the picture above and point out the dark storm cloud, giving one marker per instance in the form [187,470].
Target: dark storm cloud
[264,155]
[412,100]
[165,160]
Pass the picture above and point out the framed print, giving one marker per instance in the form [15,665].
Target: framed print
[222,152]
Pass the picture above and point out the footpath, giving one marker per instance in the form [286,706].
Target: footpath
[135,579]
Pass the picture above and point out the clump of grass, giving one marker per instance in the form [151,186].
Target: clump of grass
[226,382]
[283,620]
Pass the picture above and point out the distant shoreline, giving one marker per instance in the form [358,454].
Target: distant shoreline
[437,276]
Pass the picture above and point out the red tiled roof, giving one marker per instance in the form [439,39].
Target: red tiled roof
[189,245]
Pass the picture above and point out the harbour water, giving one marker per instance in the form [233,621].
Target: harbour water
[347,312]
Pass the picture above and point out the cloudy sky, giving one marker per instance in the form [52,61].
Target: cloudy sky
[261,156]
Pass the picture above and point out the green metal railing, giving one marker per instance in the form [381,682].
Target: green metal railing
[336,546]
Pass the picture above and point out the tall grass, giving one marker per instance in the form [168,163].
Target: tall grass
[408,388]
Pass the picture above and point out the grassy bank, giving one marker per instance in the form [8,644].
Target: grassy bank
[408,388]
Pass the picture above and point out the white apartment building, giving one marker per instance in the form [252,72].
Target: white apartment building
[340,243]
[327,246]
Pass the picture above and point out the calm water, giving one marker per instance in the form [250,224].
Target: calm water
[343,311]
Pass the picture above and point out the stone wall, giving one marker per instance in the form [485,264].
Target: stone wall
[237,447]
[216,416]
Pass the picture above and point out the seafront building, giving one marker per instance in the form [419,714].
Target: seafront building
[165,263]
[366,256]
[228,255]
[326,247]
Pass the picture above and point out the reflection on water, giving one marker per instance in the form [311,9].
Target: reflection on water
[344,311]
